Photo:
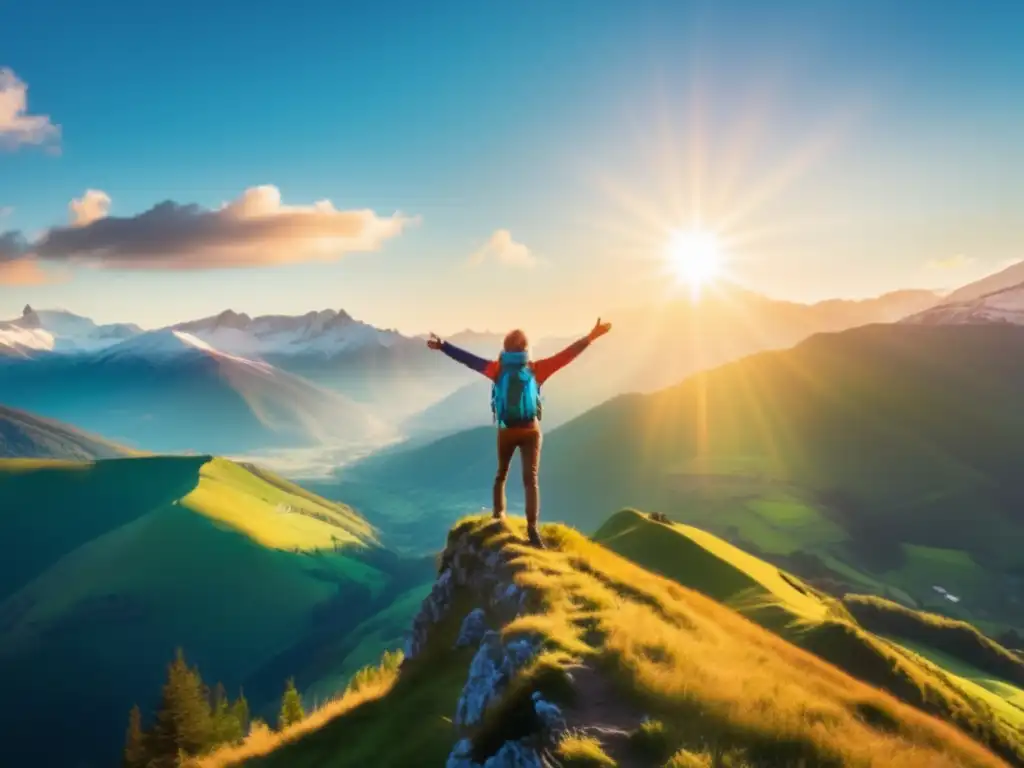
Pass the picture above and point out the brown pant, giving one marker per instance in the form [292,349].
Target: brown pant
[527,440]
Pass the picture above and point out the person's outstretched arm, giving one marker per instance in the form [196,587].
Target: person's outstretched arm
[544,369]
[459,355]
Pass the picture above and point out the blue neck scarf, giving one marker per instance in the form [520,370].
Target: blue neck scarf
[514,358]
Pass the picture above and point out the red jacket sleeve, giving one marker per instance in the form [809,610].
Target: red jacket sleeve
[544,369]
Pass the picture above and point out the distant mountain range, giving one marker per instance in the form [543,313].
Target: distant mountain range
[998,298]
[58,331]
[169,391]
[657,346]
[1006,278]
[232,383]
[1002,306]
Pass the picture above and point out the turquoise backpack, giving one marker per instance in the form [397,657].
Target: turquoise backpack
[515,396]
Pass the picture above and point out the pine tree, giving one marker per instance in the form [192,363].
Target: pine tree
[136,754]
[218,697]
[291,706]
[240,709]
[183,722]
[226,726]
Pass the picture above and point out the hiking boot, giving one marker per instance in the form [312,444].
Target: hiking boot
[534,537]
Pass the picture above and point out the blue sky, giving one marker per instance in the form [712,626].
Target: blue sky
[839,149]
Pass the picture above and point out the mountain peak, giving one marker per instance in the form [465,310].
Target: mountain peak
[1004,306]
[231,319]
[29,318]
[165,342]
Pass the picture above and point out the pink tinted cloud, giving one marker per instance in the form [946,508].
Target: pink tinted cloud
[17,126]
[254,229]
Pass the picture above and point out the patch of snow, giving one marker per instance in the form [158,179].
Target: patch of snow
[328,332]
[55,330]
[168,344]
[1004,306]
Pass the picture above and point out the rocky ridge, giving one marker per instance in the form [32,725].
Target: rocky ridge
[488,574]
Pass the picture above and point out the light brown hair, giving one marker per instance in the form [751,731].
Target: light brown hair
[516,341]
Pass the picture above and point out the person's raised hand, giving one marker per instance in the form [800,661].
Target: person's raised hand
[434,342]
[599,329]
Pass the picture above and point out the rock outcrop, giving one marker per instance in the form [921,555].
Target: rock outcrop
[485,573]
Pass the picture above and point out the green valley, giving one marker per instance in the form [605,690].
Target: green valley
[108,566]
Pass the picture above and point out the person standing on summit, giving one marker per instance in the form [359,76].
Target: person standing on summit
[516,406]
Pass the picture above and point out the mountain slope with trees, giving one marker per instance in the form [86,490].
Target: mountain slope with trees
[106,567]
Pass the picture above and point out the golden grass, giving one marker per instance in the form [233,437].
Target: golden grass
[368,684]
[270,515]
[724,691]
[711,674]
[583,752]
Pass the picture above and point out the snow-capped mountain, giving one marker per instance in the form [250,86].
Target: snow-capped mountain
[156,344]
[170,391]
[56,330]
[327,333]
[394,374]
[1003,306]
[1009,277]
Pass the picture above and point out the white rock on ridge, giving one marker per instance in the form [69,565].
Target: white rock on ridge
[461,756]
[549,714]
[484,683]
[494,665]
[514,754]
[473,628]
[435,606]
[485,573]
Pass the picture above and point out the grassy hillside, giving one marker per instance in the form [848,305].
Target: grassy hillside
[26,436]
[647,672]
[106,567]
[927,661]
[889,453]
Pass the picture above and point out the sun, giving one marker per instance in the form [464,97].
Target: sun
[695,258]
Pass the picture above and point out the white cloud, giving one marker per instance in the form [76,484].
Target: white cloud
[17,126]
[91,206]
[501,248]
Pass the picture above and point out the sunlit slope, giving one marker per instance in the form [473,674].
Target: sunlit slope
[944,683]
[712,566]
[895,427]
[107,567]
[273,511]
[889,453]
[637,646]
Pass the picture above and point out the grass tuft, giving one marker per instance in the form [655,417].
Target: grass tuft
[652,740]
[576,751]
